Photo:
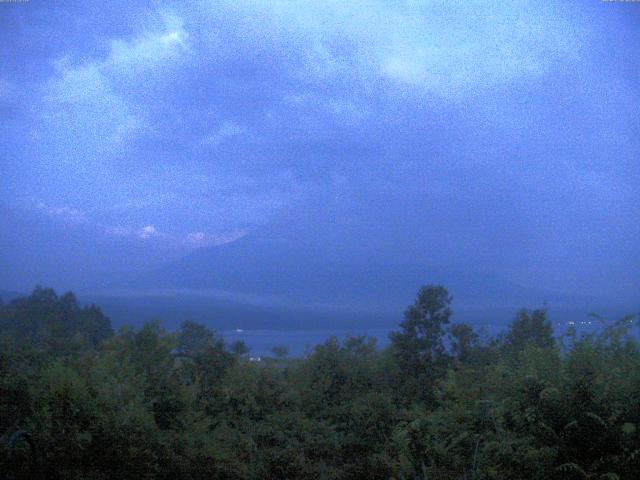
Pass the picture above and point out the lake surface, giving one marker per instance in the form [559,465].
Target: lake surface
[298,342]
[301,342]
[300,329]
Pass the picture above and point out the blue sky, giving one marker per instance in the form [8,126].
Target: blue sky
[497,137]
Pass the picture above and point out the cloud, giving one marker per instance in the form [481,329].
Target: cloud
[82,96]
[148,231]
[452,49]
[94,92]
[63,213]
[187,241]
[167,43]
[227,130]
[201,239]
[446,49]
[173,240]
[469,119]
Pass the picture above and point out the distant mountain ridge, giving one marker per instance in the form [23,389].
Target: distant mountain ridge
[8,295]
[314,273]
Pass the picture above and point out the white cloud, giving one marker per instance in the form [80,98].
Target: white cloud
[448,49]
[201,239]
[64,213]
[187,241]
[227,130]
[359,55]
[163,44]
[83,107]
[89,93]
[148,231]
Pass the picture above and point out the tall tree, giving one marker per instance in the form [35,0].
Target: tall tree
[530,328]
[194,338]
[464,340]
[418,346]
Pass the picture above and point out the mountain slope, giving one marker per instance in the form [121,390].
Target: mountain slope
[278,269]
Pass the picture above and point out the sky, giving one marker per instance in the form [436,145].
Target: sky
[498,138]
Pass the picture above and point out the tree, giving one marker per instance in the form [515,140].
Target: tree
[194,338]
[530,329]
[280,351]
[464,340]
[239,348]
[94,325]
[55,324]
[418,347]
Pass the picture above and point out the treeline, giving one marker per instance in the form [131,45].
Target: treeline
[78,401]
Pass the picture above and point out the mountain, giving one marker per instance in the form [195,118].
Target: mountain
[7,295]
[280,270]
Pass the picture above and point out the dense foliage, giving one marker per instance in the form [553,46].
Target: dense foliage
[79,402]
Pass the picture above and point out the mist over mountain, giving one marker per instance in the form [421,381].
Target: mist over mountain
[313,271]
[277,276]
[280,271]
